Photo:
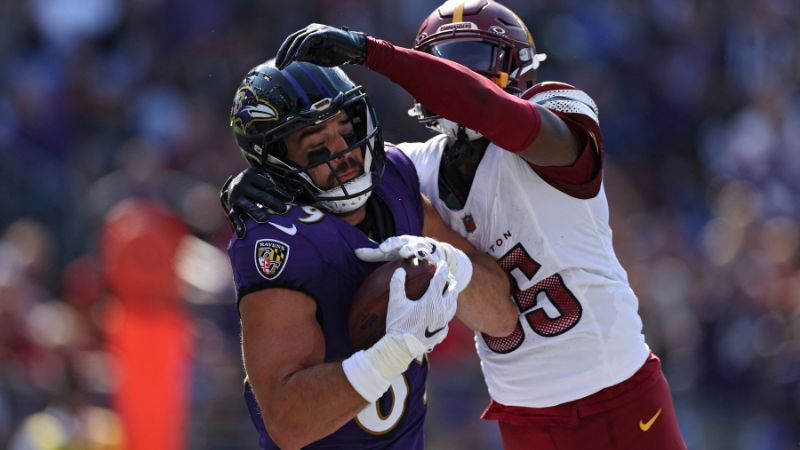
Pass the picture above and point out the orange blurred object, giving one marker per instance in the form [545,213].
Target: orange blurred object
[148,334]
[139,243]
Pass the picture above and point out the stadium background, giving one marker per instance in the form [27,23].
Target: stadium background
[107,100]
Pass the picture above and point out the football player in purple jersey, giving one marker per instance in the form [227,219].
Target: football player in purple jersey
[316,138]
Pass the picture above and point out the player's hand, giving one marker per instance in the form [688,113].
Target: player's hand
[421,323]
[401,247]
[244,194]
[407,246]
[323,45]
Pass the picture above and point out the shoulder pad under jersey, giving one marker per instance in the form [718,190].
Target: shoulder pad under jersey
[563,98]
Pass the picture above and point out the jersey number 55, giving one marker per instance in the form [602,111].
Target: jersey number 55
[568,306]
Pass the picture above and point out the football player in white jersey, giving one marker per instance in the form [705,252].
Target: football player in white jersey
[517,169]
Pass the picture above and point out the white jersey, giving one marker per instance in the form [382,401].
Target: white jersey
[579,329]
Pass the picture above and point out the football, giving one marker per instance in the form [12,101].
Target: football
[367,317]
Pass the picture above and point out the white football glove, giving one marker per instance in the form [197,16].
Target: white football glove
[407,246]
[421,323]
[413,328]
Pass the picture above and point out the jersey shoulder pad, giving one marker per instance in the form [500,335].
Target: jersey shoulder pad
[563,98]
[398,157]
[277,253]
[546,86]
[401,164]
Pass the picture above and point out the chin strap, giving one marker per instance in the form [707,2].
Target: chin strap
[453,186]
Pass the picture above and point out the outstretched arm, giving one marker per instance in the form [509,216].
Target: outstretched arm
[532,131]
[512,123]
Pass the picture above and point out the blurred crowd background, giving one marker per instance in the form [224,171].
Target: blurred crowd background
[114,139]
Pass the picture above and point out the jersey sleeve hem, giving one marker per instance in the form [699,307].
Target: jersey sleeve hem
[583,178]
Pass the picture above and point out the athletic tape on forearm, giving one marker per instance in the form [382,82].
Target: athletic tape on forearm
[370,370]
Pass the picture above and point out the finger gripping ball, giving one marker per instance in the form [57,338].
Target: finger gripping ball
[367,317]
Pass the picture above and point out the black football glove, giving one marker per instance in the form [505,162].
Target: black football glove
[240,195]
[323,45]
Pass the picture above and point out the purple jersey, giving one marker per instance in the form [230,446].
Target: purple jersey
[313,252]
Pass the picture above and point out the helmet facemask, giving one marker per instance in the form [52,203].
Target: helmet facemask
[347,196]
[291,92]
[439,124]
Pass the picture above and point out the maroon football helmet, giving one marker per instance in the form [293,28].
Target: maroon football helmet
[483,35]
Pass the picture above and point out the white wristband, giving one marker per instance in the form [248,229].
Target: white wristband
[365,378]
[370,370]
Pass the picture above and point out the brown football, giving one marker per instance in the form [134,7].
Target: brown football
[367,318]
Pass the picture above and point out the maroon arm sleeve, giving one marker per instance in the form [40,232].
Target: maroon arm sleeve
[459,95]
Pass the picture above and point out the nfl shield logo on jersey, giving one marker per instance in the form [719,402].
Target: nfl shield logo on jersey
[469,223]
[271,257]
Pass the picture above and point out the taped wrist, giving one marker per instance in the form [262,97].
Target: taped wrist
[370,370]
[458,263]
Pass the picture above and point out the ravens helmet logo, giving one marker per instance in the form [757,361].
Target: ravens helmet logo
[248,108]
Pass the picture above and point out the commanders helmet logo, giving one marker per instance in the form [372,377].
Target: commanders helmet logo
[248,108]
[271,257]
